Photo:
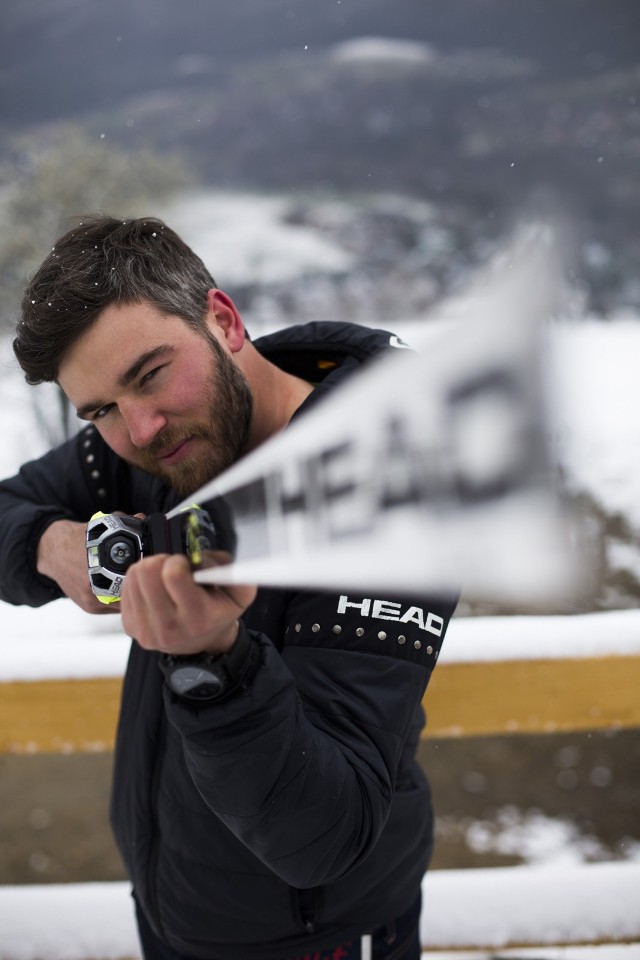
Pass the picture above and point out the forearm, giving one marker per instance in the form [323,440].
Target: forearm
[42,493]
[38,509]
[54,538]
[61,557]
[307,788]
[21,527]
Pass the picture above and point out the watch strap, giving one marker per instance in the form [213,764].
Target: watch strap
[231,670]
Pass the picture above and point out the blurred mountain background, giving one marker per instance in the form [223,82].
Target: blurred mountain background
[473,110]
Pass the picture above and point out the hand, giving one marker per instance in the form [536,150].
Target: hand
[164,609]
[62,557]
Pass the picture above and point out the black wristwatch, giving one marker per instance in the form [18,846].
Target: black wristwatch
[204,677]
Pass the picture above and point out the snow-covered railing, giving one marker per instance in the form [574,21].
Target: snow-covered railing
[61,670]
[60,677]
[537,675]
[488,909]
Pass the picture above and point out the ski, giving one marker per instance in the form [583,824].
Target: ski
[428,471]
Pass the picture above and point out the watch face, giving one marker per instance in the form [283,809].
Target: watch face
[196,682]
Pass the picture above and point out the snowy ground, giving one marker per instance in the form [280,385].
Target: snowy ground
[597,433]
[460,908]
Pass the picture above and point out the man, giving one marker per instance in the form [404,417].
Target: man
[284,814]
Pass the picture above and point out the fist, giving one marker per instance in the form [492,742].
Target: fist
[164,609]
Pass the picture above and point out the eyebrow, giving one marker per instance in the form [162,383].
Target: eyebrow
[128,376]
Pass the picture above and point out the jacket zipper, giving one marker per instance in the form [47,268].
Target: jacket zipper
[306,902]
[399,949]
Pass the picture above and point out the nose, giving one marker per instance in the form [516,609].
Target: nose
[142,422]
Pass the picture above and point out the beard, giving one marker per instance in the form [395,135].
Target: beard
[223,429]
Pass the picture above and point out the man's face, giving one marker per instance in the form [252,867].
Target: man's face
[164,397]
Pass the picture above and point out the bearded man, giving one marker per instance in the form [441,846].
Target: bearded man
[282,813]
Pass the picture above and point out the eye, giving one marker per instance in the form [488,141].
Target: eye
[150,375]
[102,412]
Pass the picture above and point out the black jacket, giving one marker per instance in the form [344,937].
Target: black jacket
[292,815]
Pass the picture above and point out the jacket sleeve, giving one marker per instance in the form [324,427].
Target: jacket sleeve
[302,766]
[70,482]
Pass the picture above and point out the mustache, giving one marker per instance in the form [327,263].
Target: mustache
[172,437]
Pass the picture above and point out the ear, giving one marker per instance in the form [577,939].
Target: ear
[223,317]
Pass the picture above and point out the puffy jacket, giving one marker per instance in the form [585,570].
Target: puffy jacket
[292,815]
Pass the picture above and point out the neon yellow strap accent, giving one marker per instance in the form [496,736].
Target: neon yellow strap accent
[193,546]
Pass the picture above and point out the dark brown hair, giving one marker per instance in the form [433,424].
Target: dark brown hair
[100,262]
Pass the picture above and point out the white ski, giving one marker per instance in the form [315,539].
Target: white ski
[429,471]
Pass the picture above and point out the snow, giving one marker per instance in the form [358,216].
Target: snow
[244,238]
[382,50]
[597,435]
[68,922]
[462,908]
[500,905]
[530,835]
[471,640]
[598,427]
[588,952]
[60,641]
